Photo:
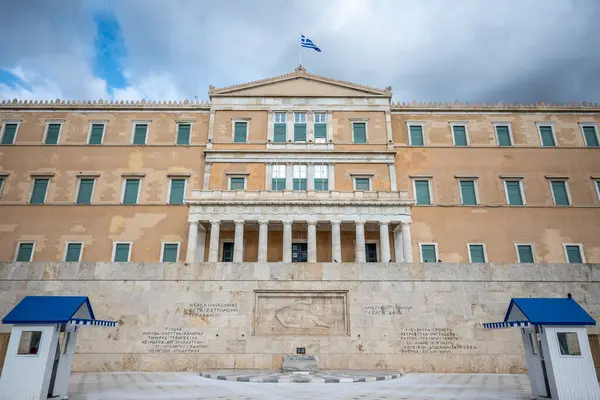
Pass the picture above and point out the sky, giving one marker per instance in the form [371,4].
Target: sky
[427,50]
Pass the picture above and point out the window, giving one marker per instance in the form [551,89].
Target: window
[29,342]
[560,193]
[371,252]
[477,253]
[503,135]
[299,252]
[459,135]
[1,184]
[170,252]
[96,135]
[546,135]
[52,132]
[176,191]
[25,251]
[429,252]
[140,131]
[568,343]
[574,253]
[321,177]
[40,189]
[73,251]
[131,191]
[320,127]
[359,132]
[468,195]
[183,133]
[278,177]
[86,191]
[279,131]
[227,252]
[524,253]
[415,135]
[237,183]
[422,191]
[514,192]
[9,132]
[121,251]
[362,184]
[596,182]
[299,177]
[590,134]
[299,127]
[240,131]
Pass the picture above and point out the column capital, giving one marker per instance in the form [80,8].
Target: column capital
[384,223]
[405,223]
[270,111]
[329,112]
[359,222]
[239,222]
[215,223]
[311,222]
[335,222]
[287,222]
[263,222]
[194,222]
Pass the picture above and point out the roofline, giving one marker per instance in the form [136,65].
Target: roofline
[494,107]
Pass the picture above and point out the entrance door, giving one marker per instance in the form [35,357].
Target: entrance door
[227,252]
[535,362]
[299,252]
[371,252]
[54,370]
[595,348]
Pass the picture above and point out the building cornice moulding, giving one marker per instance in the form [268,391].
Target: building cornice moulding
[101,104]
[297,157]
[414,106]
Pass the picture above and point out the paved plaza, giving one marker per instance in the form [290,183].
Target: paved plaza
[188,386]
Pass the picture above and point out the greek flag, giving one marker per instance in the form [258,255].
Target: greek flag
[306,42]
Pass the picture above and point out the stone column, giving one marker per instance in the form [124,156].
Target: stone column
[393,182]
[263,240]
[388,129]
[336,242]
[310,126]
[331,176]
[289,177]
[206,183]
[398,249]
[190,255]
[238,242]
[201,243]
[287,241]
[406,242]
[359,251]
[213,245]
[289,127]
[312,242]
[310,177]
[270,126]
[384,241]
[211,129]
[268,175]
[329,126]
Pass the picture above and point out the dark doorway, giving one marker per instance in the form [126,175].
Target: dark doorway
[299,252]
[371,252]
[227,252]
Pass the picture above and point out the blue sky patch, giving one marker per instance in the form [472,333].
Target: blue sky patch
[12,80]
[110,51]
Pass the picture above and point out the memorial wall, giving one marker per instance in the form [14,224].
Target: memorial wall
[411,317]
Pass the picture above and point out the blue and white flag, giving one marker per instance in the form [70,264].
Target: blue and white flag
[306,42]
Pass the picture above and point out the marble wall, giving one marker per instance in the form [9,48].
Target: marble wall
[412,317]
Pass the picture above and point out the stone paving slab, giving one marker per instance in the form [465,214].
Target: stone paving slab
[327,376]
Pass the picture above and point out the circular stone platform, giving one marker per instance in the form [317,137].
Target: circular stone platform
[326,376]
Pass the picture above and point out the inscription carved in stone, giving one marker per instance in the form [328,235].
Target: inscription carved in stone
[173,340]
[432,340]
[387,309]
[206,310]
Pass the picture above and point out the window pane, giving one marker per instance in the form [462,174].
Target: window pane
[132,187]
[321,184]
[280,118]
[38,195]
[300,132]
[568,343]
[591,138]
[1,184]
[183,133]
[96,134]
[422,192]
[574,255]
[170,252]
[503,135]
[559,188]
[25,252]
[525,252]
[237,183]
[477,253]
[52,134]
[362,184]
[10,131]
[122,252]
[360,132]
[460,135]
[241,130]
[299,252]
[73,252]
[278,184]
[300,118]
[416,135]
[320,118]
[86,187]
[278,171]
[300,171]
[227,252]
[177,191]
[467,189]
[371,252]
[279,133]
[428,253]
[139,135]
[513,189]
[321,171]
[29,342]
[547,137]
[299,183]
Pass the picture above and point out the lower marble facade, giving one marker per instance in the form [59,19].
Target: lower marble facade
[189,317]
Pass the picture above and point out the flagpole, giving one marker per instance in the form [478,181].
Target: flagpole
[300,51]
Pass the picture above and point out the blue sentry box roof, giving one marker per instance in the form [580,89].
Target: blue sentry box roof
[47,310]
[550,311]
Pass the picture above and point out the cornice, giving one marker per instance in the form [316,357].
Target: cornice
[494,107]
[108,105]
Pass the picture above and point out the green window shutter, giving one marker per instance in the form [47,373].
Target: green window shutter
[177,191]
[73,252]
[132,187]
[422,192]
[591,138]
[416,135]
[321,184]
[10,131]
[360,132]
[1,184]
[362,184]
[299,132]
[574,255]
[299,183]
[513,189]
[183,133]
[86,186]
[559,188]
[139,133]
[428,253]
[503,135]
[467,189]
[278,184]
[547,137]
[96,134]
[460,135]
[279,133]
[122,252]
[170,252]
[320,131]
[52,134]
[240,132]
[40,187]
[525,253]
[477,253]
[237,183]
[25,252]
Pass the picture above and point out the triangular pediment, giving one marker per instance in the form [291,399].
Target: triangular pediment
[300,83]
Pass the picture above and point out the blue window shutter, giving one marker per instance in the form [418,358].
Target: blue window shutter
[237,183]
[279,133]
[561,197]
[240,132]
[321,184]
[40,187]
[10,131]
[299,132]
[170,252]
[416,135]
[503,135]
[1,184]
[525,253]
[24,253]
[591,138]
[547,136]
[73,252]
[278,184]
[422,192]
[320,131]
[132,187]
[360,132]
[183,133]
[299,183]
[86,186]
[122,252]
[514,193]
[428,253]
[460,135]
[96,134]
[139,134]
[52,134]
[177,191]
[467,189]
[362,184]
[477,253]
[574,255]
